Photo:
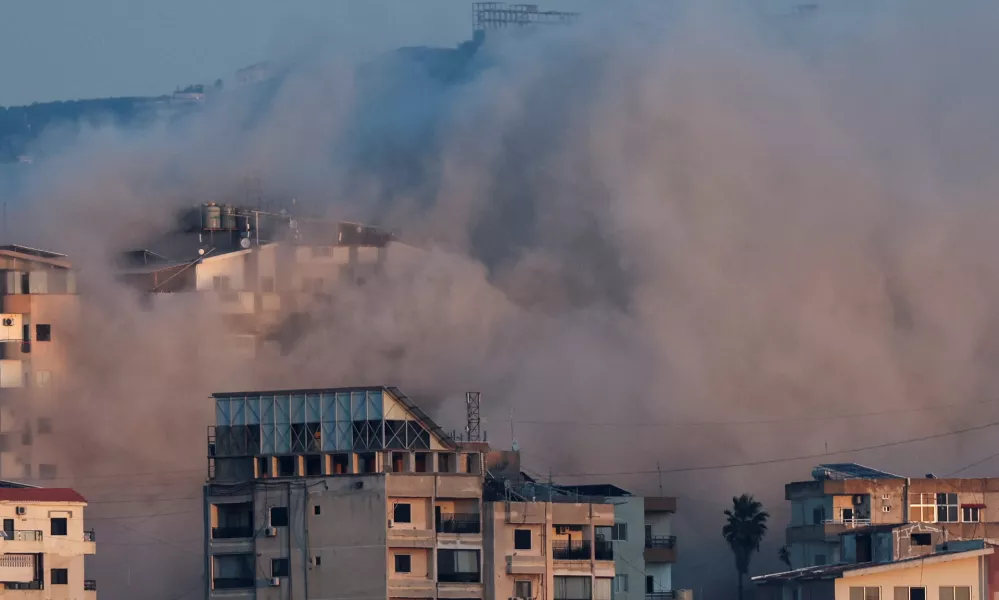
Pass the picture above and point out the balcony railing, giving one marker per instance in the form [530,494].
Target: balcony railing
[231,583]
[88,536]
[566,550]
[603,550]
[228,533]
[89,585]
[459,577]
[574,597]
[848,522]
[660,541]
[23,585]
[459,523]
[27,535]
[664,595]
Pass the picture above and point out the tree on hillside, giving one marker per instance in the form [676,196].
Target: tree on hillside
[744,529]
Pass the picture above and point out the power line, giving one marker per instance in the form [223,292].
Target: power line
[802,419]
[789,458]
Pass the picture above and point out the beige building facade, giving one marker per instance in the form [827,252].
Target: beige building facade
[44,543]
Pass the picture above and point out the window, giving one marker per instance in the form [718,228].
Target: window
[44,425]
[922,507]
[319,561]
[403,563]
[865,593]
[920,539]
[58,526]
[43,333]
[319,251]
[573,588]
[886,496]
[316,510]
[910,593]
[279,516]
[523,589]
[620,584]
[459,566]
[949,592]
[886,508]
[279,567]
[846,515]
[60,576]
[971,514]
[47,471]
[620,532]
[650,584]
[402,513]
[521,539]
[8,525]
[818,515]
[267,284]
[947,508]
[220,283]
[602,588]
[27,470]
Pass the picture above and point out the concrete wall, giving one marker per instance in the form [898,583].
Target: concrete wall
[930,575]
[629,557]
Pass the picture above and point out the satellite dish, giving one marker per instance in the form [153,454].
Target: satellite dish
[244,243]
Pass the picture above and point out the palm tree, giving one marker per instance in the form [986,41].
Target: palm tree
[744,530]
[785,556]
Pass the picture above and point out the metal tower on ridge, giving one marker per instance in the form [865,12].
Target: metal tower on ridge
[473,428]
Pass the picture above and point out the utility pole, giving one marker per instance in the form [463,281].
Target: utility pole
[660,473]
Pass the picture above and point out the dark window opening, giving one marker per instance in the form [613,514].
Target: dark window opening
[263,466]
[341,464]
[60,576]
[279,567]
[287,466]
[458,566]
[522,539]
[921,539]
[313,465]
[319,561]
[8,527]
[279,516]
[402,513]
[446,463]
[233,520]
[650,584]
[44,425]
[26,439]
[398,462]
[472,463]
[367,462]
[818,515]
[422,462]
[917,593]
[316,510]
[267,284]
[58,526]
[403,563]
[43,333]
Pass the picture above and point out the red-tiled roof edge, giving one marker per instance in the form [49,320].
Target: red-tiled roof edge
[41,495]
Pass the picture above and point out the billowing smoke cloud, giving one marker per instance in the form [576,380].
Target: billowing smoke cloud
[673,240]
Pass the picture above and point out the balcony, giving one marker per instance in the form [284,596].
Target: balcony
[469,577]
[232,583]
[603,550]
[518,564]
[848,523]
[459,523]
[23,585]
[662,504]
[664,595]
[571,550]
[660,548]
[89,585]
[229,533]
[27,535]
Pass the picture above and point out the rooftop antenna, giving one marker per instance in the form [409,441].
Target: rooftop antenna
[660,473]
[473,428]
[513,444]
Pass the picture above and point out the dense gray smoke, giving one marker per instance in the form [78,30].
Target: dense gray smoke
[674,239]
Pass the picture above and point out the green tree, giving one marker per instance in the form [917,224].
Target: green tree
[744,529]
[785,556]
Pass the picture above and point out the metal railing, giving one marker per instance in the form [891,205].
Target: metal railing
[23,585]
[574,550]
[459,523]
[28,535]
[848,522]
[88,536]
[660,541]
[459,577]
[603,550]
[89,585]
[231,583]
[228,533]
[663,595]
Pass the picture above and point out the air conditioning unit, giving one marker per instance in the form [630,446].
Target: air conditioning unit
[20,510]
[561,529]
[271,532]
[858,500]
[8,322]
[275,582]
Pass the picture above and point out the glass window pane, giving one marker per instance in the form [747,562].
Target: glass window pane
[946,592]
[928,514]
[952,514]
[872,593]
[962,593]
[857,593]
[951,498]
[941,498]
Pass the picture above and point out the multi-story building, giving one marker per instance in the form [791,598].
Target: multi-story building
[44,544]
[39,307]
[643,542]
[848,497]
[357,493]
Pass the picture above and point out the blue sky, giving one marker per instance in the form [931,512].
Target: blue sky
[65,49]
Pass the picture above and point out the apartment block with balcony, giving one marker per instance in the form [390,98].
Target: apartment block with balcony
[844,499]
[348,492]
[39,307]
[43,543]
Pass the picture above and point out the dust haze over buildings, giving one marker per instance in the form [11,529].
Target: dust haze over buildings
[695,236]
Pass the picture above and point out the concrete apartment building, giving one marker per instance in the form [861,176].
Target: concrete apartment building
[44,544]
[851,498]
[357,493]
[39,304]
